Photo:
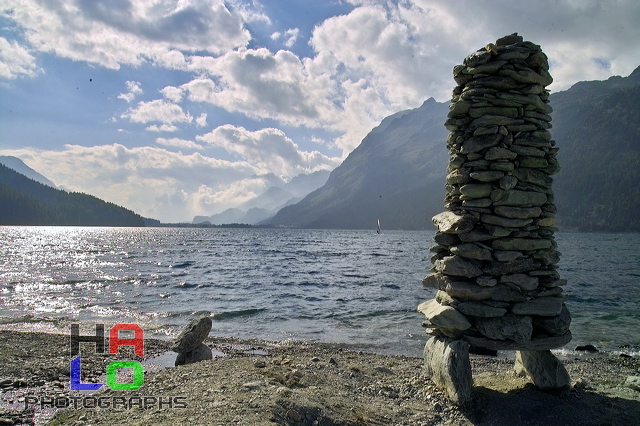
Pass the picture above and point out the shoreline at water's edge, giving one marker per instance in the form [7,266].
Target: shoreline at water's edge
[262,382]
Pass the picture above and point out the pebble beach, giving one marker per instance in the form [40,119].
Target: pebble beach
[301,383]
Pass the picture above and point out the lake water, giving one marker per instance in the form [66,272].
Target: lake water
[356,288]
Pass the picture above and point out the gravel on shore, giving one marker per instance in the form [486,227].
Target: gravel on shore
[300,383]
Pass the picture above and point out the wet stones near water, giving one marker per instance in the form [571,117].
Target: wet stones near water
[189,344]
[495,256]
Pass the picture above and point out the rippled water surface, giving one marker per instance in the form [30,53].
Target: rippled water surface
[352,287]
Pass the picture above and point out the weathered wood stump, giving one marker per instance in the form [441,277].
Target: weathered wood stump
[494,262]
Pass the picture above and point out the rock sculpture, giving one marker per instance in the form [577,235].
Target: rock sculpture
[494,262]
[189,344]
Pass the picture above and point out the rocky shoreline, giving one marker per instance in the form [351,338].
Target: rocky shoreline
[302,383]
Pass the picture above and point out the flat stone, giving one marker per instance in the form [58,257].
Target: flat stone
[452,223]
[509,327]
[468,291]
[538,60]
[503,166]
[477,163]
[443,317]
[523,281]
[542,306]
[478,143]
[504,112]
[193,334]
[478,309]
[497,82]
[444,299]
[486,281]
[533,100]
[517,198]
[477,58]
[529,76]
[456,161]
[475,236]
[497,153]
[543,368]
[509,39]
[494,120]
[475,190]
[437,281]
[447,362]
[505,222]
[533,162]
[521,244]
[556,283]
[540,142]
[478,202]
[504,293]
[523,264]
[536,343]
[480,131]
[446,239]
[458,108]
[545,221]
[498,231]
[555,326]
[528,151]
[487,68]
[547,257]
[487,176]
[472,251]
[506,256]
[508,182]
[457,266]
[458,176]
[533,176]
[518,212]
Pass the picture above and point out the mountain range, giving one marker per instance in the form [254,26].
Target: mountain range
[397,173]
[267,204]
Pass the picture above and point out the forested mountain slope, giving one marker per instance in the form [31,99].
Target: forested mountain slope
[26,202]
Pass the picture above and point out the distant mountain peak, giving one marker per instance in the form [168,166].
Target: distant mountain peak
[635,75]
[16,164]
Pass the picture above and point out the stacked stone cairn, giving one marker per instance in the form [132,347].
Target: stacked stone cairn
[189,343]
[494,262]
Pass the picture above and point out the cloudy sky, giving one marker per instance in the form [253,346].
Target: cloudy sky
[176,108]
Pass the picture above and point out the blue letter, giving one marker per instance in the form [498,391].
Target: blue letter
[75,378]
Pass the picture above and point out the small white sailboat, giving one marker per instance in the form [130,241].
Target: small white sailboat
[378,231]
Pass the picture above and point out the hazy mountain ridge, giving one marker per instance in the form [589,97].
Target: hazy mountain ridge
[399,167]
[24,201]
[397,172]
[19,166]
[269,202]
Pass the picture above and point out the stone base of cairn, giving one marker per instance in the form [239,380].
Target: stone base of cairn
[189,344]
[495,257]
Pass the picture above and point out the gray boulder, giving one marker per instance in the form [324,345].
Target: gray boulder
[193,334]
[201,353]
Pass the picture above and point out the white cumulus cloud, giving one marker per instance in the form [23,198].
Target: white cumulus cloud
[135,89]
[179,143]
[270,150]
[158,110]
[111,34]
[15,60]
